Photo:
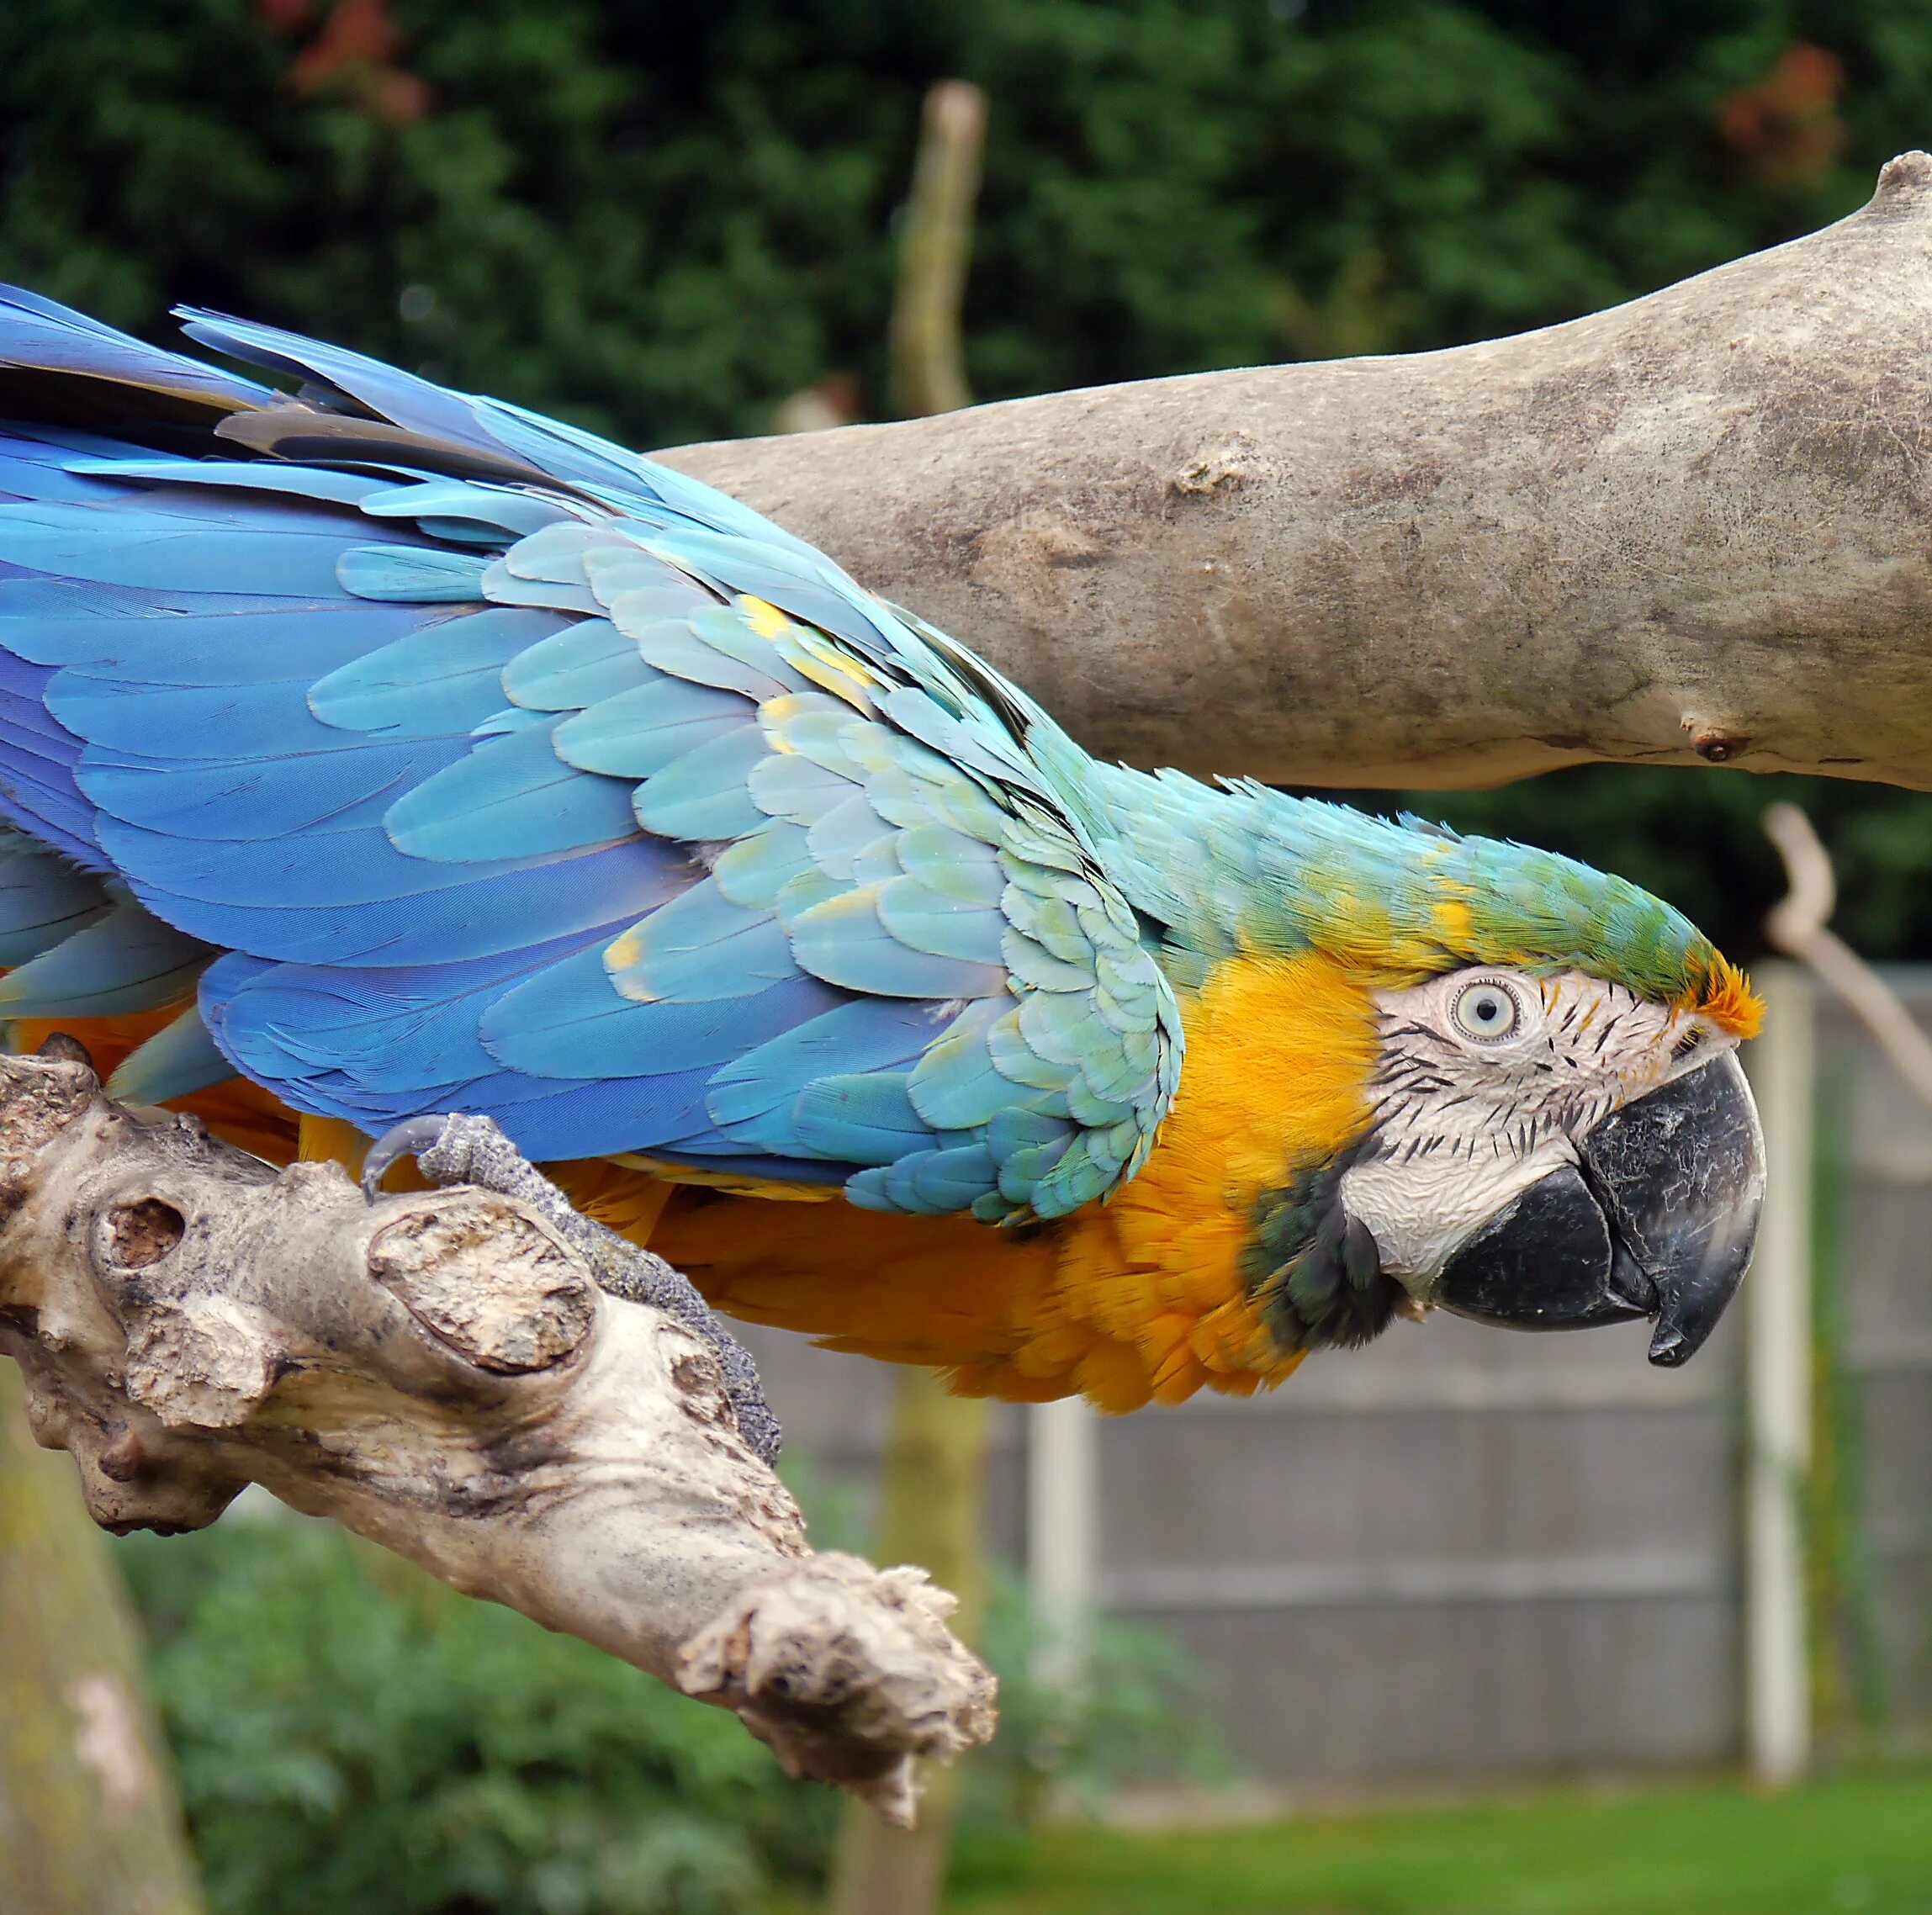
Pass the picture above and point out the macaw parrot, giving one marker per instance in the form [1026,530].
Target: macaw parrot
[369,751]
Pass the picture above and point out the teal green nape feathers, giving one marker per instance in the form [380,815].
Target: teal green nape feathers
[415,753]
[1250,868]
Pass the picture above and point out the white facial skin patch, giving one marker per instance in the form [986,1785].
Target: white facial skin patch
[1488,1080]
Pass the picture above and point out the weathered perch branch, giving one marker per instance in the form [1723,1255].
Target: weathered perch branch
[441,1373]
[1695,526]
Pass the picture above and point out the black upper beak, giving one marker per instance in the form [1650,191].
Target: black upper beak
[1656,1219]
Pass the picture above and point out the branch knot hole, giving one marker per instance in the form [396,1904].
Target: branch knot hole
[1715,743]
[143,1232]
[1719,747]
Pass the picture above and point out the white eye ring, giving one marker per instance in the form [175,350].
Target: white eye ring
[1486,1011]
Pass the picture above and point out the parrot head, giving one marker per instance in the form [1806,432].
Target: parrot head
[1545,1123]
[1545,1151]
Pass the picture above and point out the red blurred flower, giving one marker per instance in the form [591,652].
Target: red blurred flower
[354,53]
[1787,127]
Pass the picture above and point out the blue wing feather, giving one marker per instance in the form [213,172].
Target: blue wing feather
[127,960]
[859,1119]
[37,333]
[639,732]
[868,1034]
[578,666]
[572,1022]
[508,797]
[254,798]
[437,677]
[44,900]
[176,1061]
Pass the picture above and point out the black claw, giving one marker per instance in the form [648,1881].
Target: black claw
[404,1139]
[59,1048]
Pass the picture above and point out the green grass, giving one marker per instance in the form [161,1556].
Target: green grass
[1858,1843]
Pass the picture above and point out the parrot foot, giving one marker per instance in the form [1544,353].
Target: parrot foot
[453,1148]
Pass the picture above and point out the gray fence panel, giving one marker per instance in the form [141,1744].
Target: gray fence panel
[1883,1148]
[1458,1549]
[834,1411]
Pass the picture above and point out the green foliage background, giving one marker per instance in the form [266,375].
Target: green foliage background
[354,1739]
[662,219]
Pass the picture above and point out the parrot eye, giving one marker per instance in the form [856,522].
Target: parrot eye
[1488,1012]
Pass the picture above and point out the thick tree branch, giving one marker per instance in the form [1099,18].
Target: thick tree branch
[442,1374]
[1695,527]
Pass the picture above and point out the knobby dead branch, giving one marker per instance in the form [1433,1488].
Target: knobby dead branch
[475,1377]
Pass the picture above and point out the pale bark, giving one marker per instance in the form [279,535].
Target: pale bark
[452,1375]
[1693,528]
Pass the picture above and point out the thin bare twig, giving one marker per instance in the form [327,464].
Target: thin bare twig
[1796,927]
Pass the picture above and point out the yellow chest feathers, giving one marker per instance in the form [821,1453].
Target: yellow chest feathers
[1140,1296]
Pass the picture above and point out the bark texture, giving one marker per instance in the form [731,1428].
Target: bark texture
[443,1373]
[1692,528]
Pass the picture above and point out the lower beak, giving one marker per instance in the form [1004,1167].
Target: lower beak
[1657,1219]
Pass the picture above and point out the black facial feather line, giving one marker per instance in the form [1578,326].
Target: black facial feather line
[1312,1269]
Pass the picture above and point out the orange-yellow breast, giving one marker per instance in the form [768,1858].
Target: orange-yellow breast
[1141,1297]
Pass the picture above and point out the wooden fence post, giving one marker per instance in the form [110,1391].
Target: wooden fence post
[931,1513]
[1062,1529]
[1778,1387]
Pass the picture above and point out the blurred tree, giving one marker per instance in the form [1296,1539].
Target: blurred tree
[663,221]
[933,1487]
[89,1821]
